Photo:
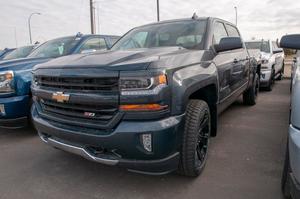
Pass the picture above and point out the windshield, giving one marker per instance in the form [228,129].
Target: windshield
[55,48]
[187,34]
[19,53]
[262,45]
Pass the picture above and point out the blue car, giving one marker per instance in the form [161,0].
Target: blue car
[15,75]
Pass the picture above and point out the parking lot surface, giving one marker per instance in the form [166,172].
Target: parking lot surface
[245,161]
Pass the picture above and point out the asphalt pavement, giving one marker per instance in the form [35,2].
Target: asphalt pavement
[245,162]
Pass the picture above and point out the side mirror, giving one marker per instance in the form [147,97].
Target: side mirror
[88,51]
[229,43]
[290,41]
[277,51]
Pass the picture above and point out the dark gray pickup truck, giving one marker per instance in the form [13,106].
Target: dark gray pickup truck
[151,103]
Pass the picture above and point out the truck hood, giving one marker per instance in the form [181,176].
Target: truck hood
[21,64]
[137,59]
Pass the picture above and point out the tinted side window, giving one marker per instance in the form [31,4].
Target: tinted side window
[94,44]
[232,31]
[219,32]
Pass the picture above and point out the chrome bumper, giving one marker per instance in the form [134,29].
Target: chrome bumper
[78,151]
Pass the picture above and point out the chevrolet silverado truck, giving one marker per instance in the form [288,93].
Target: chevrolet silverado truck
[16,76]
[272,66]
[151,103]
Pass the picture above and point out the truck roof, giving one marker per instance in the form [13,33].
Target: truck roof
[187,19]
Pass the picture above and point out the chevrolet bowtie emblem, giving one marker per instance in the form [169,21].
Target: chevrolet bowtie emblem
[60,97]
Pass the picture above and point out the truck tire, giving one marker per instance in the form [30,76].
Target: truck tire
[250,96]
[285,184]
[195,139]
[271,82]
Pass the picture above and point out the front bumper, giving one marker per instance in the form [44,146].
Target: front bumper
[265,77]
[123,146]
[15,112]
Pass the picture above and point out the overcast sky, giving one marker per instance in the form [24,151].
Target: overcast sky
[257,18]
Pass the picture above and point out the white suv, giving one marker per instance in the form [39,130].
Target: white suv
[272,61]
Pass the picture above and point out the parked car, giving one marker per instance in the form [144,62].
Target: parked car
[272,67]
[5,52]
[291,171]
[16,76]
[150,104]
[21,52]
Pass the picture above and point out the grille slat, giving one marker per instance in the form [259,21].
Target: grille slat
[80,84]
[80,107]
[92,112]
[75,114]
[76,85]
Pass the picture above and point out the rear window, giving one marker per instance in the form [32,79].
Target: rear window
[262,45]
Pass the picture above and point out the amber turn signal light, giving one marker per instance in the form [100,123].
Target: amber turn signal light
[162,79]
[143,107]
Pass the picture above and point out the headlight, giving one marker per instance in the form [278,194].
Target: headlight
[6,82]
[142,86]
[139,83]
[136,84]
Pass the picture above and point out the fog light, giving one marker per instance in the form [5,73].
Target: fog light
[147,142]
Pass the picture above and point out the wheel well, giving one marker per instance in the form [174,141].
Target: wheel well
[209,95]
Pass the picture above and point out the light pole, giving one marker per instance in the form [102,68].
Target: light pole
[92,17]
[236,15]
[98,19]
[29,25]
[157,9]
